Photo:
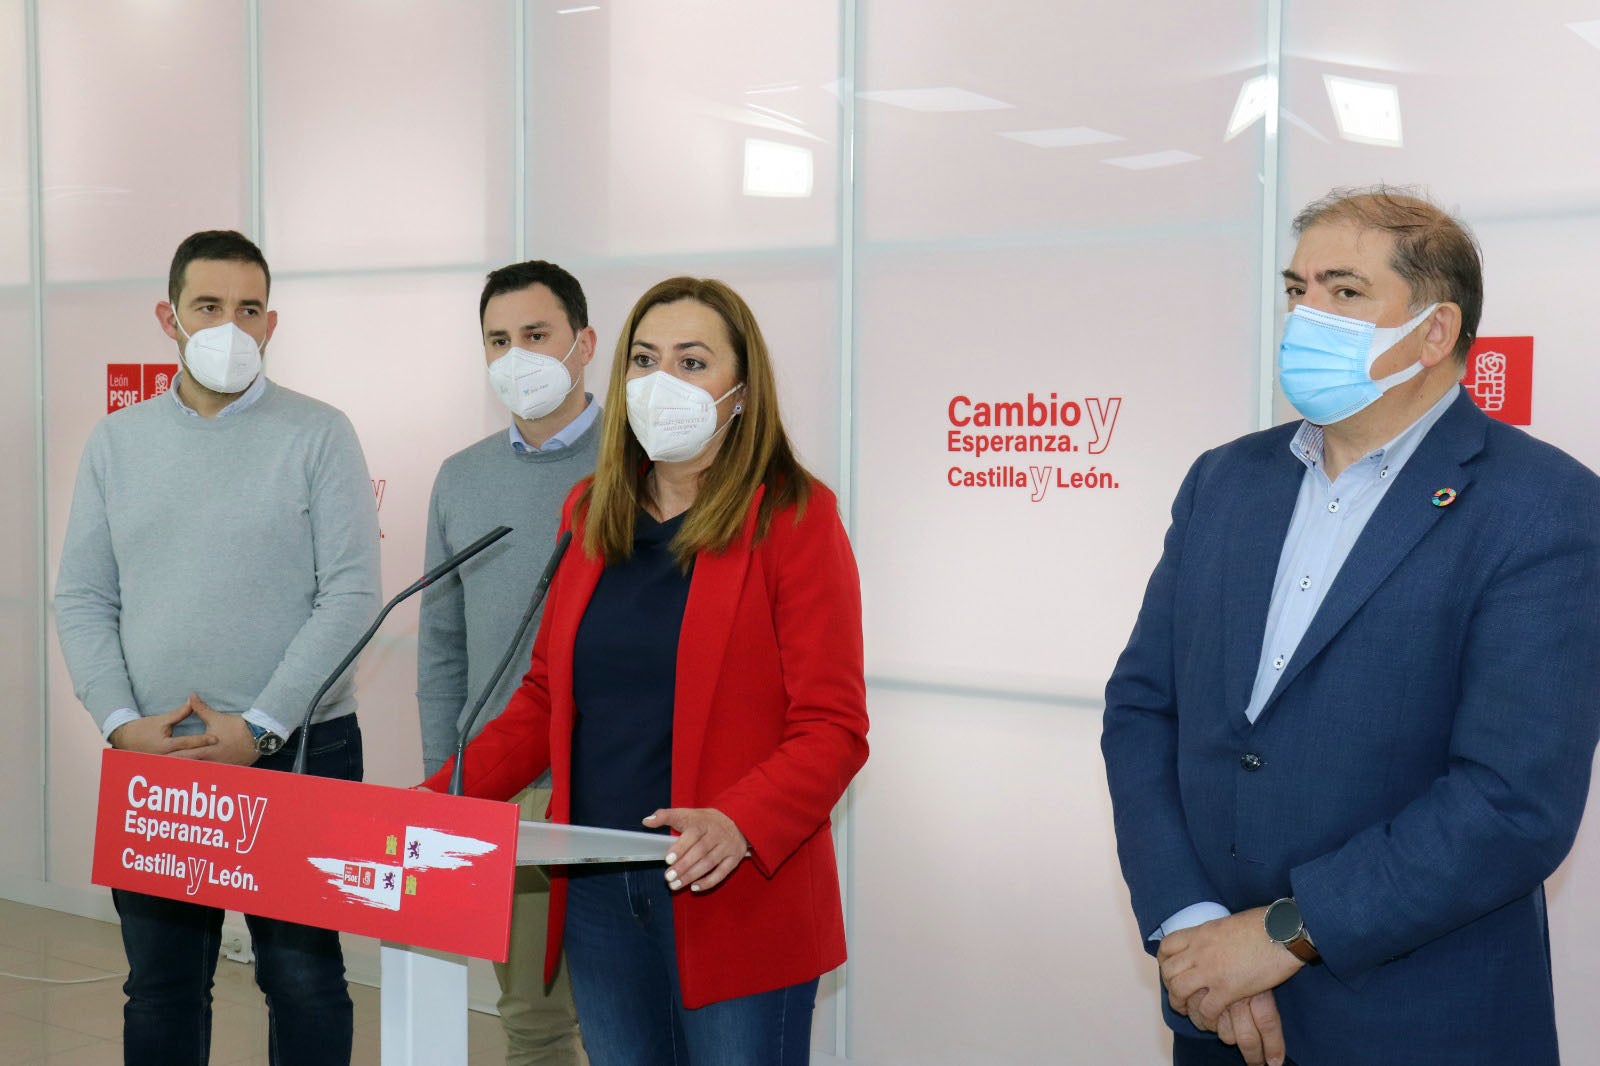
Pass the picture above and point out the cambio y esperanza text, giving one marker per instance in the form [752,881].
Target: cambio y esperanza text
[193,815]
[1033,426]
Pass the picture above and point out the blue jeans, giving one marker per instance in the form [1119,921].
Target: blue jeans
[622,960]
[172,956]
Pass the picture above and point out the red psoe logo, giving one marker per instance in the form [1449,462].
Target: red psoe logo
[129,383]
[158,378]
[124,385]
[1500,378]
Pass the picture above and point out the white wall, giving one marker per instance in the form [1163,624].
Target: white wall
[950,245]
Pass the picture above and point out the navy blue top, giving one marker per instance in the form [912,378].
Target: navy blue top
[624,671]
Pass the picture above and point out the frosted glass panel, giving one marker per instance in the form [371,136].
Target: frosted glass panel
[1485,109]
[1056,309]
[1026,417]
[387,133]
[145,135]
[15,162]
[20,582]
[969,942]
[678,128]
[1068,116]
[1530,267]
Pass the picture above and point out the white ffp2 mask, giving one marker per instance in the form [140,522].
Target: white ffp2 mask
[223,358]
[673,419]
[532,384]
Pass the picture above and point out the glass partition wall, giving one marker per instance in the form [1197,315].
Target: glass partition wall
[1017,266]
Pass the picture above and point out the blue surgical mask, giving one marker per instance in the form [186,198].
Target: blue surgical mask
[1325,362]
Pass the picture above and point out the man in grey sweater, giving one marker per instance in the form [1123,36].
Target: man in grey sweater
[537,341]
[220,559]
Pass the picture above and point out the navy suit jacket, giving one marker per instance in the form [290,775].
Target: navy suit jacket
[1422,764]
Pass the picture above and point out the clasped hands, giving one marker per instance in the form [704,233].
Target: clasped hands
[227,737]
[1221,975]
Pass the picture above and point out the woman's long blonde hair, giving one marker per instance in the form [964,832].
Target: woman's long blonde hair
[755,453]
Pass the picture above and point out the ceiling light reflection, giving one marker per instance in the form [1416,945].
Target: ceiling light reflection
[1062,137]
[1152,160]
[772,168]
[1589,31]
[1295,120]
[943,98]
[1251,106]
[1368,112]
[775,113]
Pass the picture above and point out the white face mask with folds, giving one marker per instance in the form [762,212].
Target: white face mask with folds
[673,419]
[223,358]
[532,384]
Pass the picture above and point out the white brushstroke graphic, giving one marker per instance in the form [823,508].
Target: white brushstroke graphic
[382,891]
[431,849]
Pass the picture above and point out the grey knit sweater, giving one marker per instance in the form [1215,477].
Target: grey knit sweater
[236,557]
[468,617]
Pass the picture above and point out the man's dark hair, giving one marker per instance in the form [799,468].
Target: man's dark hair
[223,244]
[1434,252]
[519,276]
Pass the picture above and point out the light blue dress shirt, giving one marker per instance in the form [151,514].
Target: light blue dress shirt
[1328,519]
[569,433]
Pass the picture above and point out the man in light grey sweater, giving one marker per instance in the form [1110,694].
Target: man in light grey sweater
[537,341]
[221,557]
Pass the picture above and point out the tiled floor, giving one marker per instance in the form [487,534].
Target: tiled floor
[81,1024]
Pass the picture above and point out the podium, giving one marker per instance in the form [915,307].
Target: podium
[429,875]
[424,992]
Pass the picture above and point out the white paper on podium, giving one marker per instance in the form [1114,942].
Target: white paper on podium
[546,844]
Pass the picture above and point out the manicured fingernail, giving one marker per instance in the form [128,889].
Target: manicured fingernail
[694,888]
[672,856]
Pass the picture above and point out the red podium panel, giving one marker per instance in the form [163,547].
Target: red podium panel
[412,867]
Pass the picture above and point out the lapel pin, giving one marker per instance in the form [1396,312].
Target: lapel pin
[1444,497]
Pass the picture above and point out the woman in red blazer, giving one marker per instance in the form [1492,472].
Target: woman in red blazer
[698,667]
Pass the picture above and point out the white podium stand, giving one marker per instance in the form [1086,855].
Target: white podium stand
[423,993]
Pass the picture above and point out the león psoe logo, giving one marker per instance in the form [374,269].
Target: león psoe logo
[386,884]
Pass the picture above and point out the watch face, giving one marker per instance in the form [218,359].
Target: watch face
[268,743]
[1283,921]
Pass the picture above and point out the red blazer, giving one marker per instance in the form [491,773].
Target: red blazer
[769,726]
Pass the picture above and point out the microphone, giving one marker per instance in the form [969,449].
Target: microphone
[417,586]
[516,642]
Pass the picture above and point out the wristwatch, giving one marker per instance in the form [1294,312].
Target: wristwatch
[1286,927]
[267,742]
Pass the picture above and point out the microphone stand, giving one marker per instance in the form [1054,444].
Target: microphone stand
[417,586]
[539,590]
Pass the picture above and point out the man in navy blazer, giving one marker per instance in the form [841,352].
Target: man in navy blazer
[1352,731]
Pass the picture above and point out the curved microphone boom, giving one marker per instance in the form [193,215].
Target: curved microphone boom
[417,586]
[516,642]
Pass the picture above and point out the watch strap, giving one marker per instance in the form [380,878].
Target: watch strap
[267,742]
[1303,949]
[1297,941]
